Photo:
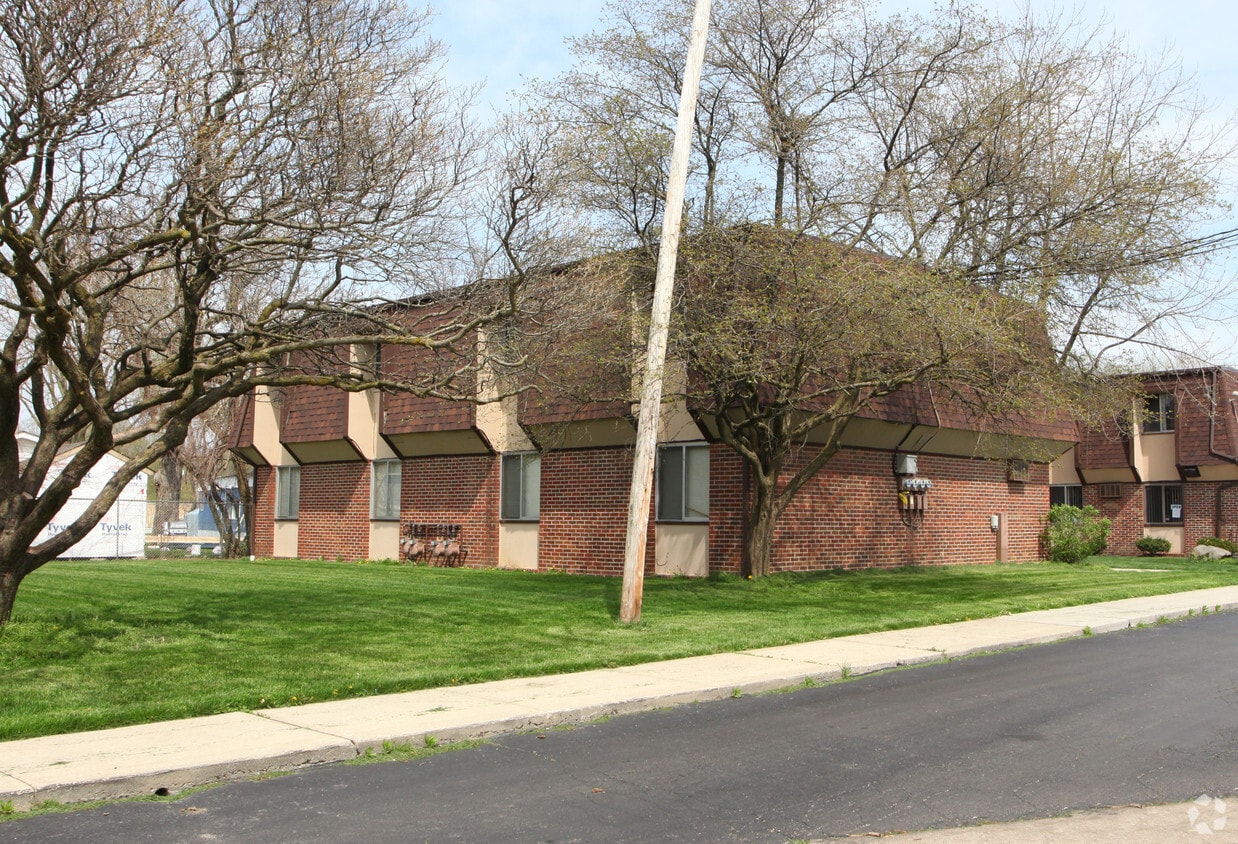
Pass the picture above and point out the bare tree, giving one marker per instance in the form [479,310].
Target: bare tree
[1046,162]
[193,195]
[208,461]
[1039,158]
[787,339]
[781,340]
[1030,187]
[615,116]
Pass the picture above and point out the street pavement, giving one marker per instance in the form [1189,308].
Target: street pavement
[174,755]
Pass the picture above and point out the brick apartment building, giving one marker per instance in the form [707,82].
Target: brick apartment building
[532,485]
[1173,474]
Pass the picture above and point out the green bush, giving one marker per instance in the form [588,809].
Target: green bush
[1153,546]
[1216,542]
[1073,533]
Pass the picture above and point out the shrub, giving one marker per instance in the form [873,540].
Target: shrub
[1153,546]
[1073,533]
[1216,542]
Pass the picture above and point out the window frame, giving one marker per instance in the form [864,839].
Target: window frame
[1071,493]
[687,498]
[382,490]
[287,493]
[1163,495]
[522,512]
[1160,414]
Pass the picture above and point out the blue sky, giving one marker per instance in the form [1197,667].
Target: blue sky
[501,43]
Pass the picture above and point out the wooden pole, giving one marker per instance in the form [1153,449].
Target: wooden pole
[659,327]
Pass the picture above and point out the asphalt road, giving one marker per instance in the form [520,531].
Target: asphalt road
[1146,715]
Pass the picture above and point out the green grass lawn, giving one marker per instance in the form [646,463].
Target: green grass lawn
[98,644]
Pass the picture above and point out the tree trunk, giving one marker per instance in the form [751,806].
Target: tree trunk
[168,490]
[223,509]
[780,188]
[245,490]
[10,579]
[762,521]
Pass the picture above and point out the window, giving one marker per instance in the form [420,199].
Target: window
[1069,494]
[683,483]
[287,491]
[521,487]
[1158,413]
[1164,504]
[385,490]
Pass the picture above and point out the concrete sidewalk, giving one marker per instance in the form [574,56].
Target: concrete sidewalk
[177,754]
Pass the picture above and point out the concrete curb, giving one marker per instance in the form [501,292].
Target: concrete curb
[1168,823]
[127,761]
[174,755]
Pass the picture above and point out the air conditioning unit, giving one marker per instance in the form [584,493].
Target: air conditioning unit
[1018,471]
[1110,491]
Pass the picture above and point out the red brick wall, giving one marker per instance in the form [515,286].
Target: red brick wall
[966,492]
[1126,514]
[1228,527]
[584,511]
[461,490]
[262,534]
[726,509]
[847,515]
[334,516]
[1199,513]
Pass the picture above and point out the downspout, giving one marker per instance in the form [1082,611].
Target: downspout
[1218,516]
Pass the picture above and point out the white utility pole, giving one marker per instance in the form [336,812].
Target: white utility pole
[659,327]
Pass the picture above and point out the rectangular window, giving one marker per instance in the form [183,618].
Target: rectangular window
[1069,494]
[521,487]
[287,491]
[385,490]
[1164,504]
[1158,413]
[683,483]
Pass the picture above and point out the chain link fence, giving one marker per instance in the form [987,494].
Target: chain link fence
[188,527]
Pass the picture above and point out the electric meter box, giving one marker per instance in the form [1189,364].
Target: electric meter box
[904,464]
